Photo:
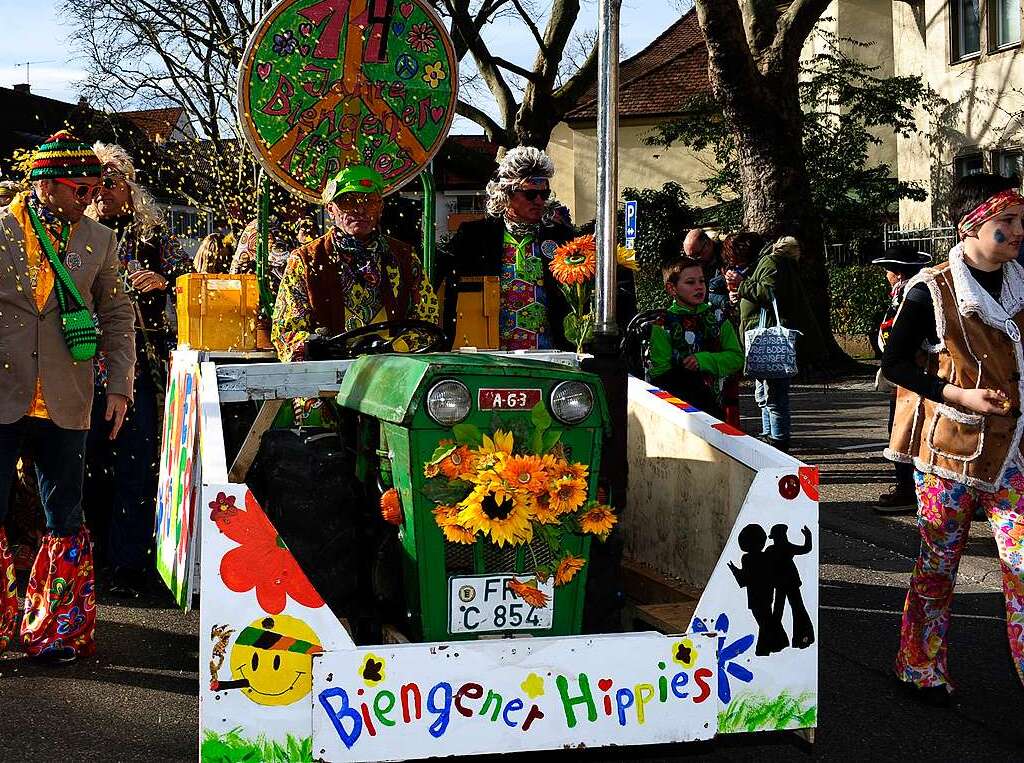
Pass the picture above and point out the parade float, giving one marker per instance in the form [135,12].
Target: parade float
[491,528]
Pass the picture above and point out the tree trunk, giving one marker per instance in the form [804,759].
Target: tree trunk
[767,131]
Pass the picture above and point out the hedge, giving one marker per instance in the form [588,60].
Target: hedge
[858,293]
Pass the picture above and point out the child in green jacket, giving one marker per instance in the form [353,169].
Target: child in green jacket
[696,347]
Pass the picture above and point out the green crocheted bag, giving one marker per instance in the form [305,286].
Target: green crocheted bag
[76,321]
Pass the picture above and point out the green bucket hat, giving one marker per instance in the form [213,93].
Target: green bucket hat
[353,179]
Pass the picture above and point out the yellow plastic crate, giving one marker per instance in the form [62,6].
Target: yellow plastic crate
[219,312]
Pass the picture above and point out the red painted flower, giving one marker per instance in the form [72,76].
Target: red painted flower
[223,508]
[262,561]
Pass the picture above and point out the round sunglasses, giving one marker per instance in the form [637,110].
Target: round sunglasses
[83,191]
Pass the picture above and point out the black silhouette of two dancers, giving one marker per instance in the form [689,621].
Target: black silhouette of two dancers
[771,579]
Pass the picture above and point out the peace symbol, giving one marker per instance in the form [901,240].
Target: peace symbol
[406,66]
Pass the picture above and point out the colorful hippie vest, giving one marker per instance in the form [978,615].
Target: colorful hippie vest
[523,317]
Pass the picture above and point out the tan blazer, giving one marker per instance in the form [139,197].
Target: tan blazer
[31,343]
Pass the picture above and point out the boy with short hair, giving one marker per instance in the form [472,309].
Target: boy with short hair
[696,347]
[955,352]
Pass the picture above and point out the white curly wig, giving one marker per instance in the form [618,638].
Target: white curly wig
[518,164]
[148,216]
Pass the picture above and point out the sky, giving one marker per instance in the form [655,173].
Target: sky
[33,34]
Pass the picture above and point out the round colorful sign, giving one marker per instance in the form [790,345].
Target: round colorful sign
[328,83]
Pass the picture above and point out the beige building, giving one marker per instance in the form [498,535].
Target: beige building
[653,86]
[968,51]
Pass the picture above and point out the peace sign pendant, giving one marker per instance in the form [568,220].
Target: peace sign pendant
[1012,330]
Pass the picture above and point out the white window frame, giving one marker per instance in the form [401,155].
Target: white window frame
[995,22]
[958,38]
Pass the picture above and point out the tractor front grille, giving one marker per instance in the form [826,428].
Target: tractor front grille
[459,558]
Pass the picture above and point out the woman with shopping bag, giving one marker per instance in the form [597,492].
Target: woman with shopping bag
[773,296]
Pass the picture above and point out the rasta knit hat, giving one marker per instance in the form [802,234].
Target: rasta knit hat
[62,155]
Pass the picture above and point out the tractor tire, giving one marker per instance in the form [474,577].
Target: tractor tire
[306,485]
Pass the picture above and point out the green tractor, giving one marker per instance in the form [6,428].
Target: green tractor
[450,482]
[434,413]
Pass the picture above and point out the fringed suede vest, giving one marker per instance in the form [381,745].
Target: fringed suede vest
[979,346]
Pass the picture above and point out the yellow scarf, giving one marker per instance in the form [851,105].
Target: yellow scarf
[38,266]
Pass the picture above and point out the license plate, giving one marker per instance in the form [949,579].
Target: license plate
[485,604]
[489,399]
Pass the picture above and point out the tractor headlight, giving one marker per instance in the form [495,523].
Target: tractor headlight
[571,401]
[448,402]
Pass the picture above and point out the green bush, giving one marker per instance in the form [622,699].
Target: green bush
[663,217]
[857,293]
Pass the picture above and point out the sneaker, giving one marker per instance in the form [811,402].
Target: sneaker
[63,656]
[897,501]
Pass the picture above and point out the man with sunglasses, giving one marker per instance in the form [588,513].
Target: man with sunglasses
[515,242]
[350,277]
[46,398]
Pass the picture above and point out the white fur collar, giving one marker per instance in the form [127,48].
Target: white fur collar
[972,298]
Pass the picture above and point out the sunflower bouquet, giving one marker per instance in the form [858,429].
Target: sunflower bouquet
[491,487]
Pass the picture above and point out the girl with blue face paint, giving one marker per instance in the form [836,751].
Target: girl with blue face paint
[955,351]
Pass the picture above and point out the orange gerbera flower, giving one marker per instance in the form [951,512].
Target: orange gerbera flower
[456,533]
[598,520]
[542,511]
[579,471]
[559,468]
[529,592]
[446,515]
[526,473]
[567,569]
[575,262]
[567,494]
[391,506]
[457,463]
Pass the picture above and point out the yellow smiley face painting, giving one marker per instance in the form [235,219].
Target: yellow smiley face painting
[272,660]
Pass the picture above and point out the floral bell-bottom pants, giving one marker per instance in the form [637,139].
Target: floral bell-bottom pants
[945,509]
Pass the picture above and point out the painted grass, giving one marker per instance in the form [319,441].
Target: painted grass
[754,712]
[232,747]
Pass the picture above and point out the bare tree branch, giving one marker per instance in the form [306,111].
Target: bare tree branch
[494,131]
[793,28]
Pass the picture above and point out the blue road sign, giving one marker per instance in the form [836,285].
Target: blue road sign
[630,224]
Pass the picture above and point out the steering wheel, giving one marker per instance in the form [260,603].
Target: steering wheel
[411,336]
[636,338]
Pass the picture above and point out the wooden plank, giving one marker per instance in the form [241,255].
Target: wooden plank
[280,381]
[667,618]
[251,443]
[646,585]
[391,635]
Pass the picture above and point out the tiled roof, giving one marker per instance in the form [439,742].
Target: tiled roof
[465,162]
[158,124]
[660,78]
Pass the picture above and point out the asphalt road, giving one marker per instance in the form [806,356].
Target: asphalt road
[137,701]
